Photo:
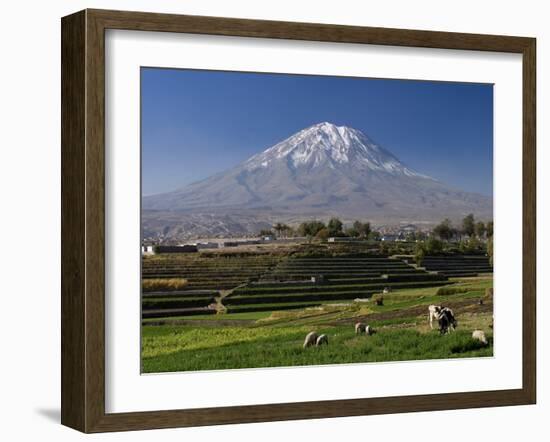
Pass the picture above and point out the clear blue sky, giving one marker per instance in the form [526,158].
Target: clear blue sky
[197,123]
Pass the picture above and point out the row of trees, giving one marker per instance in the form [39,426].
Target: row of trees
[475,233]
[334,227]
[446,231]
[320,230]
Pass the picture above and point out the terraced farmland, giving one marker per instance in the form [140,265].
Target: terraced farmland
[180,302]
[290,283]
[208,273]
[458,265]
[273,339]
[247,283]
[207,278]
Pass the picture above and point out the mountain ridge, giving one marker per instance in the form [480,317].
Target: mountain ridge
[324,168]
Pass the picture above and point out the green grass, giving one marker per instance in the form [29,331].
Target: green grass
[270,306]
[171,348]
[180,302]
[253,316]
[273,337]
[399,304]
[376,284]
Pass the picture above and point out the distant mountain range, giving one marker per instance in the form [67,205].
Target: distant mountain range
[323,170]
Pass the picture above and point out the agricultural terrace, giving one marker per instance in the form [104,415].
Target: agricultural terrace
[249,308]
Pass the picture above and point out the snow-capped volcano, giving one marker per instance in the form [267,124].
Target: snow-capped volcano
[323,170]
[331,145]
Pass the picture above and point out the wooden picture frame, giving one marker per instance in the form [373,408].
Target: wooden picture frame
[83,220]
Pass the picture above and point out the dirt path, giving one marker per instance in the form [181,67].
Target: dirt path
[222,295]
[459,307]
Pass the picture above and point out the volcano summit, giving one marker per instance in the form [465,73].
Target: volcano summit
[323,170]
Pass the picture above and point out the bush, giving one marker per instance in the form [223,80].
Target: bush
[444,291]
[323,234]
[472,245]
[433,246]
[419,255]
[160,284]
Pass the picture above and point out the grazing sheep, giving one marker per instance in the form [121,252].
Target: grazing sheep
[311,339]
[323,339]
[433,313]
[359,328]
[386,290]
[379,301]
[480,336]
[369,331]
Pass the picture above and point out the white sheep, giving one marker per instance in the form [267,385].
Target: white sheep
[369,330]
[323,339]
[359,328]
[311,339]
[480,336]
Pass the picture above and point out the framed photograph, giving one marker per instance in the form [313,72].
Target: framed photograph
[267,221]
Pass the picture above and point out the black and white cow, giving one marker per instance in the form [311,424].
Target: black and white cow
[446,320]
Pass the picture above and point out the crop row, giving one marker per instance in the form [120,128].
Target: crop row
[182,293]
[210,262]
[316,270]
[195,273]
[344,292]
[270,307]
[298,297]
[342,267]
[336,285]
[171,303]
[165,313]
[477,263]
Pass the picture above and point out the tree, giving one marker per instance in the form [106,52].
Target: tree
[266,232]
[469,246]
[310,228]
[288,231]
[489,229]
[433,246]
[410,237]
[419,254]
[420,236]
[323,234]
[468,225]
[480,229]
[278,228]
[352,232]
[335,227]
[363,229]
[374,236]
[444,230]
[490,249]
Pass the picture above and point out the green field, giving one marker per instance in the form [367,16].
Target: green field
[262,321]
[169,348]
